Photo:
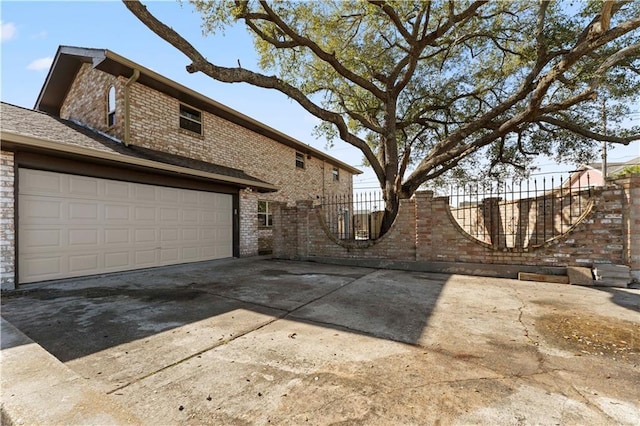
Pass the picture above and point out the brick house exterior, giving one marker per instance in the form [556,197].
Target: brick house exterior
[137,115]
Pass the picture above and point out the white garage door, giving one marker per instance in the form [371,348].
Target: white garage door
[72,226]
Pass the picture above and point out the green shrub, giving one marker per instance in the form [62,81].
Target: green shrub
[629,170]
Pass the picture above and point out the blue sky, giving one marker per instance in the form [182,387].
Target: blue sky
[32,31]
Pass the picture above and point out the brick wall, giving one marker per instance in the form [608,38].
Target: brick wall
[7,223]
[310,237]
[86,101]
[631,222]
[229,144]
[154,123]
[425,231]
[248,223]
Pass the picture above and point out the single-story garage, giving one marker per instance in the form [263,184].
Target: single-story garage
[76,202]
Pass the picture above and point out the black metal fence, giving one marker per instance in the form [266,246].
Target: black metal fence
[520,214]
[516,214]
[354,217]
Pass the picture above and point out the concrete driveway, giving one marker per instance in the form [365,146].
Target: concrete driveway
[275,342]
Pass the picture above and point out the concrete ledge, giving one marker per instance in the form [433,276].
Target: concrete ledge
[478,269]
[39,389]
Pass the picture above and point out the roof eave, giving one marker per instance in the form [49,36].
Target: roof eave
[13,140]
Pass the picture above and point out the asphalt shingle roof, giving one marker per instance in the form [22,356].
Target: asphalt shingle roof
[41,125]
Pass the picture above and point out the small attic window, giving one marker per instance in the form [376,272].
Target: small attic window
[190,119]
[111,106]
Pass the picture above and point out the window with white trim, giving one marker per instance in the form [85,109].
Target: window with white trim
[265,219]
[336,174]
[111,106]
[299,160]
[190,119]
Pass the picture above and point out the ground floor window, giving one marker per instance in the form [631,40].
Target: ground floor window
[264,214]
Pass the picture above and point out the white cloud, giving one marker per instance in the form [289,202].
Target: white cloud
[9,31]
[41,35]
[40,64]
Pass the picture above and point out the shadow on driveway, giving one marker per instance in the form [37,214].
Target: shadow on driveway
[192,308]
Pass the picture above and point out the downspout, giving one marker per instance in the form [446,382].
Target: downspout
[127,119]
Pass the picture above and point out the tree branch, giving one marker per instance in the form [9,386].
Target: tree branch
[393,16]
[329,58]
[588,133]
[238,75]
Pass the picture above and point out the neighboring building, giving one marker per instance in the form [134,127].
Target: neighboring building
[120,168]
[591,174]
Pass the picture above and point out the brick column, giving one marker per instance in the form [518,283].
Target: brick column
[7,222]
[285,231]
[304,209]
[424,223]
[248,223]
[631,222]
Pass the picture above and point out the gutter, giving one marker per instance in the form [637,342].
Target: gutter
[34,142]
[127,109]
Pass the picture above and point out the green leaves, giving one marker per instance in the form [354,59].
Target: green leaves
[429,84]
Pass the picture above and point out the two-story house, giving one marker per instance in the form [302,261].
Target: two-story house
[119,168]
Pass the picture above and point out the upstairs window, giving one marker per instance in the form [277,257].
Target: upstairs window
[111,107]
[299,160]
[264,214]
[190,119]
[336,174]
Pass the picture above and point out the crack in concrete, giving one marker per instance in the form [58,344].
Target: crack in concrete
[521,309]
[194,355]
[330,292]
[285,314]
[588,403]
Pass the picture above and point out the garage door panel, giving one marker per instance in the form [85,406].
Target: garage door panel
[189,235]
[144,236]
[82,263]
[79,237]
[225,235]
[190,198]
[42,183]
[33,208]
[117,236]
[222,219]
[117,190]
[145,258]
[170,195]
[208,234]
[189,216]
[44,238]
[83,211]
[113,212]
[144,192]
[170,255]
[42,267]
[72,226]
[169,235]
[147,214]
[169,214]
[223,203]
[191,253]
[117,260]
[84,187]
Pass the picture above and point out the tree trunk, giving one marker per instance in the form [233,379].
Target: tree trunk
[392,205]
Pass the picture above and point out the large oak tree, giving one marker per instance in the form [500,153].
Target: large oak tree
[422,87]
